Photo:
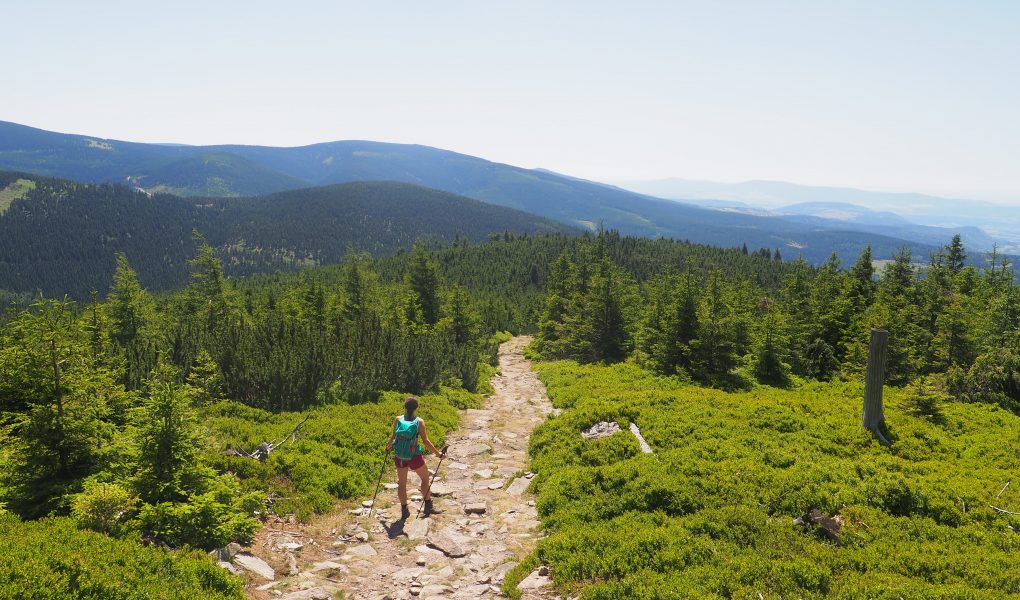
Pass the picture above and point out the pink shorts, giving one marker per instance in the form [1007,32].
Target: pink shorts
[414,464]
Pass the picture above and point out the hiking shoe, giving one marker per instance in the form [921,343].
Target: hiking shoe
[405,513]
[430,508]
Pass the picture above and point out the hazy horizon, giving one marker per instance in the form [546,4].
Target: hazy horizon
[899,97]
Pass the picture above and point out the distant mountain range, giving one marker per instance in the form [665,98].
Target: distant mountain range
[251,170]
[981,224]
[60,237]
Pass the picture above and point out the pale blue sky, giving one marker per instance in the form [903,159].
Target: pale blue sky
[889,95]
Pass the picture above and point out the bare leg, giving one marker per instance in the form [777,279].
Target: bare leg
[423,474]
[402,486]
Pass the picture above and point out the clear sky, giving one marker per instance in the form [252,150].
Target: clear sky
[891,95]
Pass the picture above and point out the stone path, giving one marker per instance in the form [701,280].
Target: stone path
[488,524]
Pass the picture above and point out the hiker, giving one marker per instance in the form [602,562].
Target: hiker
[408,454]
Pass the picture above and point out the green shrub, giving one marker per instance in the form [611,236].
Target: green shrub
[711,514]
[103,507]
[53,558]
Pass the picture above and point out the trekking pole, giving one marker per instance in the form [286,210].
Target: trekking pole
[379,483]
[432,480]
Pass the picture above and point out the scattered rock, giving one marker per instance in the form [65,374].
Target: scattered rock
[227,552]
[519,486]
[315,593]
[290,546]
[361,536]
[417,529]
[409,574]
[420,561]
[477,508]
[534,581]
[433,590]
[641,440]
[256,565]
[228,566]
[327,564]
[441,541]
[484,473]
[366,503]
[600,430]
[475,449]
[390,485]
[359,551]
[441,489]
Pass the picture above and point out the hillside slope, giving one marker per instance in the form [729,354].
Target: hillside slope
[61,237]
[230,170]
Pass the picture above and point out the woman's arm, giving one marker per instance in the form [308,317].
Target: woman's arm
[393,436]
[425,438]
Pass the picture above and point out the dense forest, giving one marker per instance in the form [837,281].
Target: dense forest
[954,328]
[58,237]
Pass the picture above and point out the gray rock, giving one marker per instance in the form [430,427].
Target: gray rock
[227,552]
[359,551]
[519,486]
[290,546]
[477,508]
[600,430]
[417,529]
[315,593]
[225,565]
[441,489]
[361,536]
[327,564]
[474,449]
[250,562]
[444,543]
[641,440]
[534,582]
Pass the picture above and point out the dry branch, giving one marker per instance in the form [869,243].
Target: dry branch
[264,449]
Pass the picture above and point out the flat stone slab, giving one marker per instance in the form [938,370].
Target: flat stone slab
[315,593]
[519,486]
[250,562]
[327,564]
[418,529]
[534,581]
[408,574]
[474,449]
[359,551]
[444,543]
[440,489]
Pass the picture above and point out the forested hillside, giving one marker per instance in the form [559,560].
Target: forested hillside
[61,237]
[233,170]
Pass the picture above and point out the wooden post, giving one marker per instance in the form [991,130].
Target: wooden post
[874,416]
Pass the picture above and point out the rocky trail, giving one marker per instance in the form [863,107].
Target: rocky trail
[489,520]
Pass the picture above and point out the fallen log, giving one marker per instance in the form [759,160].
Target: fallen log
[264,449]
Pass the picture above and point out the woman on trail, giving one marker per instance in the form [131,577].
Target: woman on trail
[408,454]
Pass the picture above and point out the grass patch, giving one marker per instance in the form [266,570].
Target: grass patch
[16,190]
[711,514]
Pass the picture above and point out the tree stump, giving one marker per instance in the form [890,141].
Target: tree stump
[874,415]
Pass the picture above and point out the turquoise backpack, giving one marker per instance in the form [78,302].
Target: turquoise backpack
[406,445]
